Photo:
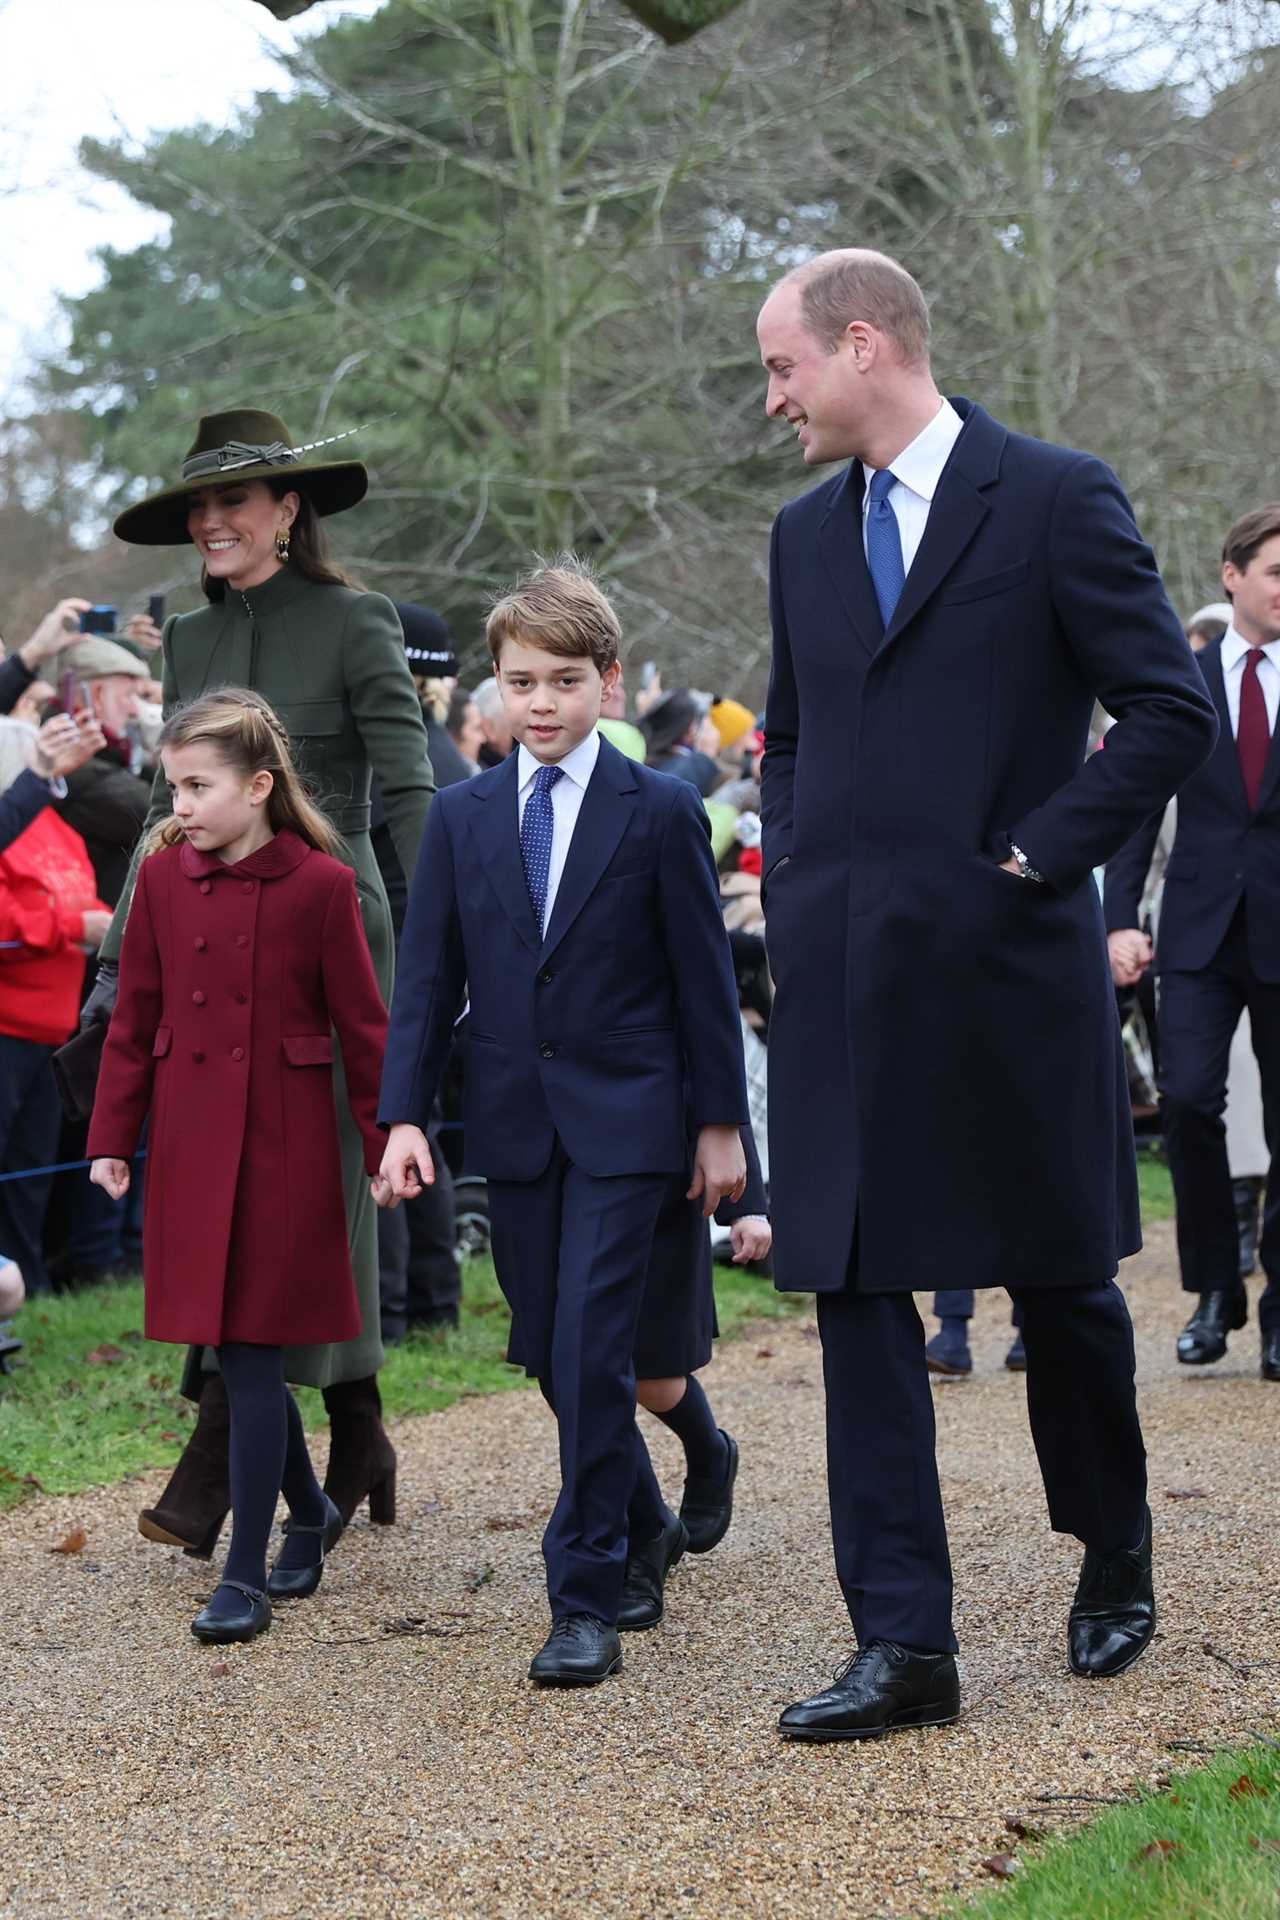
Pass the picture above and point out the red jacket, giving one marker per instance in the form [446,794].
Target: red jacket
[46,888]
[231,979]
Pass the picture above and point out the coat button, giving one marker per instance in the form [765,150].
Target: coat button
[545,977]
[242,939]
[547,1051]
[198,997]
[246,886]
[237,1053]
[242,999]
[206,886]
[201,943]
[198,1057]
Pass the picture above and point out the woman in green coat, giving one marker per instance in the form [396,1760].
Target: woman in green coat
[330,658]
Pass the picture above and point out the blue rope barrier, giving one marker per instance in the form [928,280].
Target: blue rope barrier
[63,1166]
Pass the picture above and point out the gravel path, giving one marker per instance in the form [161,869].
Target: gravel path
[379,1752]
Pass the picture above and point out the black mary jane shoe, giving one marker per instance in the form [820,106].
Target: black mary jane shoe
[882,1689]
[1204,1338]
[221,1629]
[1113,1615]
[299,1583]
[580,1651]
[707,1506]
[646,1576]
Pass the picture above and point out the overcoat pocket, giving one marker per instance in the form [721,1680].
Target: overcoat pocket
[162,1042]
[306,719]
[308,1049]
[986,585]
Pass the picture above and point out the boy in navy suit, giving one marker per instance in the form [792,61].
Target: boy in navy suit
[571,897]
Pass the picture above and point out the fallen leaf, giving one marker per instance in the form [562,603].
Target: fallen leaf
[76,1542]
[1185,1493]
[105,1356]
[1020,1828]
[1246,1788]
[764,1353]
[171,1436]
[30,1480]
[1263,1846]
[505,1523]
[1160,1849]
[220,1669]
[1002,1866]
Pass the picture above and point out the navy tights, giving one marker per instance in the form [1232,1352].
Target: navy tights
[268,1456]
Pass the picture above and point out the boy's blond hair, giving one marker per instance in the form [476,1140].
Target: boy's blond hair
[559,606]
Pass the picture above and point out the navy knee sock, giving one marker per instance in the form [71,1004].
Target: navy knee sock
[694,1425]
[254,1379]
[303,1494]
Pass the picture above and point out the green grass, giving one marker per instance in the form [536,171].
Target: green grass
[69,1420]
[1207,1848]
[1155,1189]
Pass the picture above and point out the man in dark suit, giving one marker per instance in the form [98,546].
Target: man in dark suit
[1219,948]
[571,896]
[945,611]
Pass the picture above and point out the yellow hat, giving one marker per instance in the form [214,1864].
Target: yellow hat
[731,721]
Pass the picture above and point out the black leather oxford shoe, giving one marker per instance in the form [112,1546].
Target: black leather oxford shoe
[882,1689]
[1204,1338]
[647,1568]
[233,1623]
[1271,1355]
[707,1506]
[580,1652]
[1113,1615]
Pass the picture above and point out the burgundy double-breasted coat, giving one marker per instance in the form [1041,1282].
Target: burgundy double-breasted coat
[232,978]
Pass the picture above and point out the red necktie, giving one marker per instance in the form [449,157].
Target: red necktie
[1253,733]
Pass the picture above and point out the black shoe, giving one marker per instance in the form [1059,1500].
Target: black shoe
[707,1506]
[882,1688]
[1113,1615]
[647,1568]
[243,1623]
[948,1353]
[1016,1358]
[299,1583]
[1204,1338]
[1271,1355]
[581,1651]
[1246,1194]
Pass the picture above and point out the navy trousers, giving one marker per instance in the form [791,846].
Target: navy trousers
[887,1522]
[1198,1016]
[571,1254]
[30,1120]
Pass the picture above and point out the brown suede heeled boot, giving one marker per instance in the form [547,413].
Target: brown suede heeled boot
[190,1512]
[362,1460]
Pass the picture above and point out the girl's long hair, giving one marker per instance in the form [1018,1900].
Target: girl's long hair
[308,546]
[250,736]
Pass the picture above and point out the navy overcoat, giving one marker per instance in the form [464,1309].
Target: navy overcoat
[947,1094]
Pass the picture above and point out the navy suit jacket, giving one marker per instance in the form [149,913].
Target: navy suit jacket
[1222,853]
[596,1031]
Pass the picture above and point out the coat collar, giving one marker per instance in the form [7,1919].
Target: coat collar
[280,856]
[606,809]
[958,510]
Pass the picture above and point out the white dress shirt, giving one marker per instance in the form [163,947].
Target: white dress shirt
[1234,652]
[577,767]
[916,472]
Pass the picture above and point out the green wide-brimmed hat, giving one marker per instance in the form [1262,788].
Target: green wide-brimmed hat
[243,445]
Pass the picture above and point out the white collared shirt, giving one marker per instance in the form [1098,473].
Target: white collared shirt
[916,471]
[1234,651]
[577,767]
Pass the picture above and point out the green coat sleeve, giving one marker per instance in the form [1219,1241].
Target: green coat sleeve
[160,809]
[388,714]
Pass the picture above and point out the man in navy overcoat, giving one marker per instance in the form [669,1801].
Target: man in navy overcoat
[947,1095]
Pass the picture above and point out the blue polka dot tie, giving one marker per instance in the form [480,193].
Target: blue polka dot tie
[536,831]
[884,545]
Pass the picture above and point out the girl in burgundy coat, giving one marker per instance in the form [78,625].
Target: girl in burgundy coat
[243,951]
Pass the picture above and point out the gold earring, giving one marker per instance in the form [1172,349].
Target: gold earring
[282,544]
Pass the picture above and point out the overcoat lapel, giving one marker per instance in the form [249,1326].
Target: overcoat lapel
[840,544]
[957,512]
[608,806]
[1226,757]
[495,827]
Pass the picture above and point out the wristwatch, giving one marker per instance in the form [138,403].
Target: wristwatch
[1025,868]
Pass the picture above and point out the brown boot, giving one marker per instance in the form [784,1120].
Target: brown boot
[190,1512]
[362,1460]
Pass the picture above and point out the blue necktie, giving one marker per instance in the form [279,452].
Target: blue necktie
[536,832]
[884,545]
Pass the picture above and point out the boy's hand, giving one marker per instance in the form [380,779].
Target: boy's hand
[752,1238]
[719,1168]
[112,1176]
[406,1167]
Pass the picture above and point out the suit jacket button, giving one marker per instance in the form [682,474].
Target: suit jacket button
[237,1053]
[547,1051]
[201,943]
[545,977]
[198,1057]
[206,886]
[198,997]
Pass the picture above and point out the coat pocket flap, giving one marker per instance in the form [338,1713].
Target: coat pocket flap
[162,1042]
[308,1049]
[304,719]
[989,583]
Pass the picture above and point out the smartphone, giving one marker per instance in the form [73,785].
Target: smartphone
[648,673]
[155,609]
[101,619]
[73,695]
